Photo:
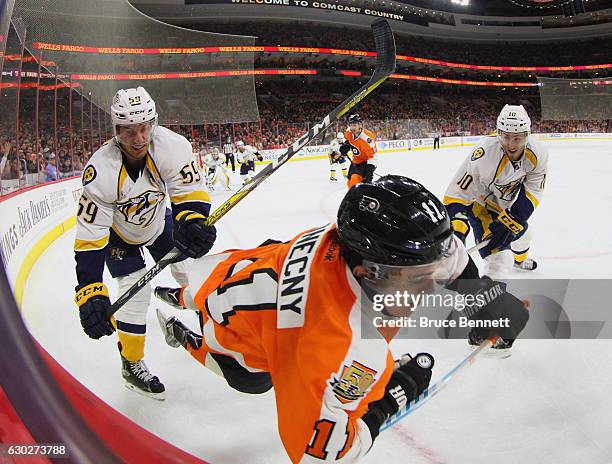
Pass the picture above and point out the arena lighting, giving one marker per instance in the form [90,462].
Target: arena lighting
[289,49]
[461,2]
[294,72]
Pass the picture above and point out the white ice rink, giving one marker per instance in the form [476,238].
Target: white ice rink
[548,403]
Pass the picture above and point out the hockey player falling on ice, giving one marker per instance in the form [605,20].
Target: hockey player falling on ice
[288,315]
[496,190]
[337,159]
[123,209]
[246,155]
[361,144]
[216,170]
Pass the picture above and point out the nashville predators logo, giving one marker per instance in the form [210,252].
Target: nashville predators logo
[140,210]
[88,175]
[509,191]
[117,254]
[354,382]
[478,153]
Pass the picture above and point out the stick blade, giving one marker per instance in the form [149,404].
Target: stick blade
[385,46]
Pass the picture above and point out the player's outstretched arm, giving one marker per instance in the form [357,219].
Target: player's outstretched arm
[94,219]
[410,378]
[347,437]
[492,302]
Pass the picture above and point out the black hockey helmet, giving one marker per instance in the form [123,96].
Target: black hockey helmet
[354,118]
[394,221]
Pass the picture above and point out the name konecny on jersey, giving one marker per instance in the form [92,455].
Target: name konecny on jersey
[295,279]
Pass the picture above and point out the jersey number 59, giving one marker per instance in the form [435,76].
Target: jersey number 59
[87,209]
[190,173]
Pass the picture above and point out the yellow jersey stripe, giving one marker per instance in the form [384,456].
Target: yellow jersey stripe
[531,156]
[448,200]
[460,226]
[532,198]
[87,245]
[502,164]
[151,166]
[484,217]
[122,176]
[197,195]
[493,206]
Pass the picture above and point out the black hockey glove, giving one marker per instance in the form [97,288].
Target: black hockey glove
[495,304]
[504,230]
[409,379]
[345,148]
[93,302]
[191,235]
[259,156]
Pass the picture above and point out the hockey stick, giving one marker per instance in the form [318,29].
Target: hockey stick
[478,247]
[434,389]
[385,66]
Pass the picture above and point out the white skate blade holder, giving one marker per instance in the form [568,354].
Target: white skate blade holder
[165,323]
[156,396]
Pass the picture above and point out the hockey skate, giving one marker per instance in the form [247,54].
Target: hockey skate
[176,333]
[171,296]
[527,265]
[138,378]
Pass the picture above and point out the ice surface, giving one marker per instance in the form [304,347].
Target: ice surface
[548,403]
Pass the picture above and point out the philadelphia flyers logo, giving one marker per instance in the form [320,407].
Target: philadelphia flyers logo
[369,204]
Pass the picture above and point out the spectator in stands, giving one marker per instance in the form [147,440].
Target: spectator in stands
[5,146]
[31,167]
[51,168]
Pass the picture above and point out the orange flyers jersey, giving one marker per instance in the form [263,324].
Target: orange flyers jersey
[293,310]
[363,146]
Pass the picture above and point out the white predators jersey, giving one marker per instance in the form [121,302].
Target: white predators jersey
[489,178]
[136,209]
[212,163]
[247,155]
[334,146]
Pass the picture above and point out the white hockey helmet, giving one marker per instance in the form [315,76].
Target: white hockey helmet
[215,151]
[133,106]
[340,135]
[513,118]
[240,143]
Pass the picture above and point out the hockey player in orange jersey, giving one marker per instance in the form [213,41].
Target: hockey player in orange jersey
[289,315]
[361,145]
